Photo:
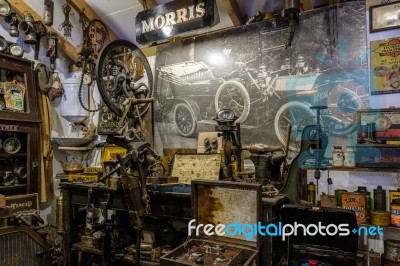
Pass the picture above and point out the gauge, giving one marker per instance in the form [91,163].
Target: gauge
[16,50]
[225,115]
[382,122]
[12,145]
[8,178]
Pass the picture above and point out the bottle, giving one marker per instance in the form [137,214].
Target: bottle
[337,156]
[350,157]
[311,193]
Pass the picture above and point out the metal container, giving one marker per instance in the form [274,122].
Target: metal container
[356,202]
[328,201]
[392,250]
[379,199]
[311,193]
[350,157]
[337,156]
[367,200]
[395,213]
[59,215]
[338,195]
[394,194]
[381,218]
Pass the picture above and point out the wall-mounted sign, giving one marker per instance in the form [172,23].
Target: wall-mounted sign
[173,18]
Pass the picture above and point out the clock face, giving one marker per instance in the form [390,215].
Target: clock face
[16,50]
[382,122]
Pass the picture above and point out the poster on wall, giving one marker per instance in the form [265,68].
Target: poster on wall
[249,70]
[385,66]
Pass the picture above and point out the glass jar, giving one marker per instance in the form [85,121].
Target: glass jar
[337,156]
[350,157]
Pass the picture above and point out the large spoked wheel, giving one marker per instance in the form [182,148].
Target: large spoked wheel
[185,120]
[344,100]
[123,72]
[233,95]
[298,115]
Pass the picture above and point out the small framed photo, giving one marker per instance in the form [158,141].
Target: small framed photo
[384,17]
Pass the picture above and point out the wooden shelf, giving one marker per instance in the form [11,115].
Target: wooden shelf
[13,187]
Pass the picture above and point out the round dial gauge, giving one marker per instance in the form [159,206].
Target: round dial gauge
[382,122]
[11,145]
[16,50]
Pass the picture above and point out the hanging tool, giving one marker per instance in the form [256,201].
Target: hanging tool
[66,25]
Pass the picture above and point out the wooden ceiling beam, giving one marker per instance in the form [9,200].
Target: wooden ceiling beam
[148,3]
[20,7]
[89,14]
[234,13]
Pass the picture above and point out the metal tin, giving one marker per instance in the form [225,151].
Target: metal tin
[394,194]
[367,200]
[379,199]
[392,250]
[356,202]
[350,157]
[338,195]
[328,201]
[311,193]
[381,218]
[395,213]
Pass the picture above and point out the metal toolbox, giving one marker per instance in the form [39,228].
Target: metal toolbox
[220,202]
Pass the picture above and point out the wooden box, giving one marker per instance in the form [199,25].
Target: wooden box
[215,203]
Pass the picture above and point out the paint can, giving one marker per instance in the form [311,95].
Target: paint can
[367,200]
[379,199]
[381,218]
[395,213]
[356,202]
[394,194]
[338,195]
[328,201]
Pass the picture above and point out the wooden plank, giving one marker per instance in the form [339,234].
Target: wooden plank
[90,14]
[21,7]
[233,11]
[148,3]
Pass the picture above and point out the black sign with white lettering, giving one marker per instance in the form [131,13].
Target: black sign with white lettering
[173,18]
[108,122]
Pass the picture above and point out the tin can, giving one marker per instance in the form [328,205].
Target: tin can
[394,194]
[311,193]
[356,202]
[338,195]
[350,157]
[367,200]
[381,218]
[379,199]
[328,201]
[392,250]
[395,213]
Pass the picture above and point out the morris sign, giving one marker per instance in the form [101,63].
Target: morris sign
[173,18]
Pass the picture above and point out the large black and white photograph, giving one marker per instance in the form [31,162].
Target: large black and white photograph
[260,72]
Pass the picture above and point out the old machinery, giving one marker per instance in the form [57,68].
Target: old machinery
[231,141]
[124,80]
[291,10]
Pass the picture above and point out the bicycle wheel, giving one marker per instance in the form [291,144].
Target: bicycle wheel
[123,72]
[299,115]
[233,95]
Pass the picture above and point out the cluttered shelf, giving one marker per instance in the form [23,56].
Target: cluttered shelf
[13,187]
[356,169]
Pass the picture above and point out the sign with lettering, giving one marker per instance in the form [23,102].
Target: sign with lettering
[4,127]
[173,18]
[20,203]
[108,122]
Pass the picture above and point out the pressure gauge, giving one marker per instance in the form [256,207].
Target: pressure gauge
[382,122]
[16,50]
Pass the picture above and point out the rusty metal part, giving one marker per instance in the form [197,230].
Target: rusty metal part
[262,148]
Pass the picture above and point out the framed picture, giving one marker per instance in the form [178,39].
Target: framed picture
[384,17]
